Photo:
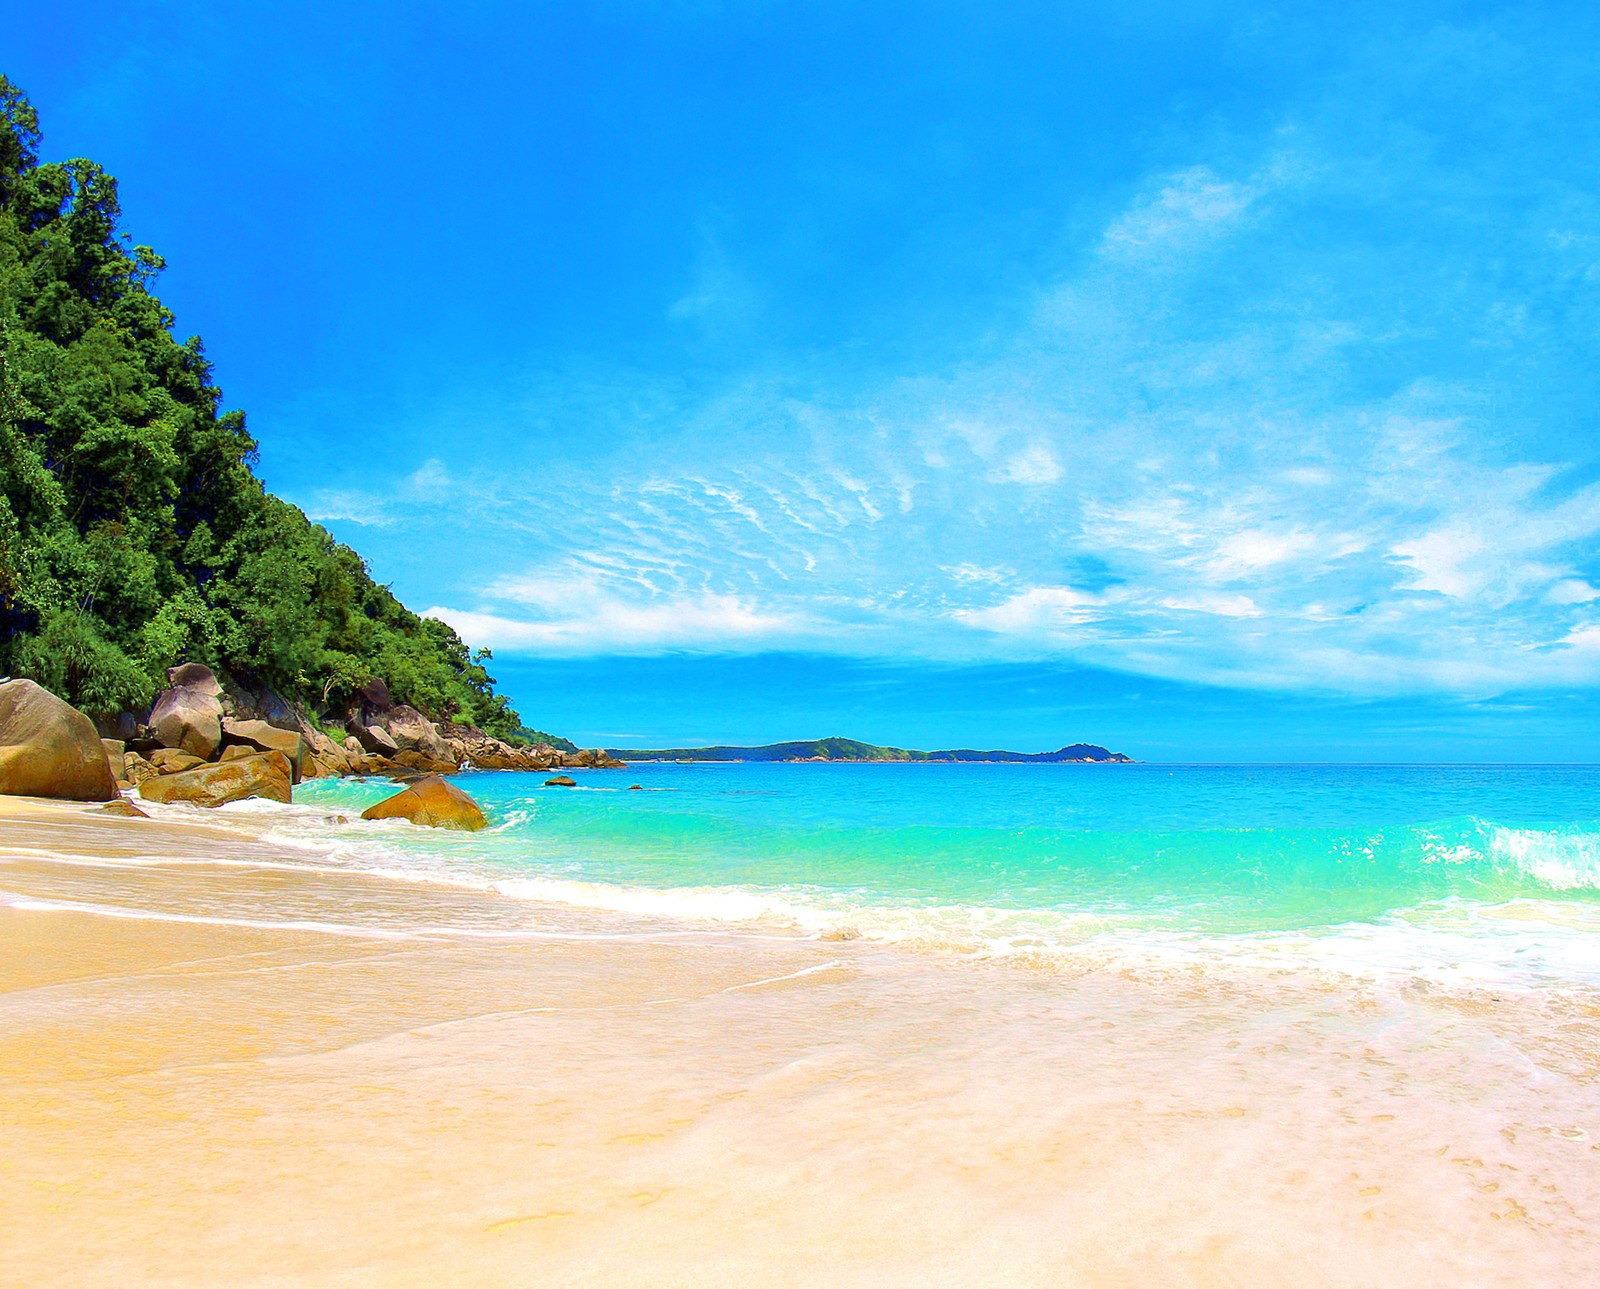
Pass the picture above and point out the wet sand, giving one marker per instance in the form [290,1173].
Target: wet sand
[346,1080]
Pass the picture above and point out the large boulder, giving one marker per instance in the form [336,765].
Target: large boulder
[267,738]
[414,732]
[374,739]
[431,801]
[48,748]
[243,752]
[413,760]
[170,760]
[374,697]
[195,676]
[189,718]
[135,769]
[273,708]
[216,785]
[324,756]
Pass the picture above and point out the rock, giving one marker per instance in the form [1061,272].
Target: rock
[169,760]
[325,756]
[48,748]
[433,802]
[373,739]
[195,676]
[135,769]
[124,808]
[190,719]
[123,726]
[243,752]
[414,732]
[561,781]
[261,775]
[273,708]
[591,758]
[115,748]
[268,738]
[636,787]
[353,745]
[374,696]
[422,761]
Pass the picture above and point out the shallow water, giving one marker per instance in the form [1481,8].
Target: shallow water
[1297,1029]
[1478,875]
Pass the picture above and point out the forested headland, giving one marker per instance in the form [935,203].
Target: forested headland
[134,533]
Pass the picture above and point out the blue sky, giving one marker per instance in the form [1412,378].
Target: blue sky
[1206,381]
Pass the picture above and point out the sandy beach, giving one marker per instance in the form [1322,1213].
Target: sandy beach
[220,1067]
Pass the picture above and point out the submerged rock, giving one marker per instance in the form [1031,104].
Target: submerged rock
[125,808]
[48,748]
[259,775]
[432,802]
[561,781]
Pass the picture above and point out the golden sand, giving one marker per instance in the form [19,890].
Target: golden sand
[392,1097]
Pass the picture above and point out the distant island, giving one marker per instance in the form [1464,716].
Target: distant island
[849,749]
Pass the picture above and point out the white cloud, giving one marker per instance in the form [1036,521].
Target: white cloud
[1033,464]
[357,507]
[578,618]
[1219,605]
[1572,590]
[1189,204]
[1038,610]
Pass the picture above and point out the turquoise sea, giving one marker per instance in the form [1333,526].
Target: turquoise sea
[1467,874]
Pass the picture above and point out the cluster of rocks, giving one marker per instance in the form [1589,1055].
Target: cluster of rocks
[209,741]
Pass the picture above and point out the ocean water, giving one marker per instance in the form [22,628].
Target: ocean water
[1478,875]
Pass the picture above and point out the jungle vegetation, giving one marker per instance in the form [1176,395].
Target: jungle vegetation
[133,530]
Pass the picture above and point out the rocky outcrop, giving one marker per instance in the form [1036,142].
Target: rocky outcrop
[591,759]
[433,802]
[263,737]
[49,749]
[206,712]
[561,781]
[189,715]
[232,780]
[474,747]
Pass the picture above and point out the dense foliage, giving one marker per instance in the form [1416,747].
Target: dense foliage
[133,533]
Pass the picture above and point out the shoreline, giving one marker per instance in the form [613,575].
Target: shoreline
[615,1102]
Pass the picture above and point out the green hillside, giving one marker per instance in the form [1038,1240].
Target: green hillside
[133,532]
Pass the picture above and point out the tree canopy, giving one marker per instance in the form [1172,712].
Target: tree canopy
[133,531]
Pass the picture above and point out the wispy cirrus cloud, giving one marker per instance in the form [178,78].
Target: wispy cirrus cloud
[1281,419]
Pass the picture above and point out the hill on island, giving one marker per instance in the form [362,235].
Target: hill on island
[848,749]
[133,530]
